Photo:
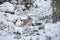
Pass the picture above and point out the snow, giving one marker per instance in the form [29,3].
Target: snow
[53,30]
[12,17]
[40,14]
[55,27]
[6,6]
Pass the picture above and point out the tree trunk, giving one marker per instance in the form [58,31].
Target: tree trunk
[56,13]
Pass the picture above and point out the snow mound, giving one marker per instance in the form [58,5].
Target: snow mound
[54,28]
[6,6]
[12,17]
[3,18]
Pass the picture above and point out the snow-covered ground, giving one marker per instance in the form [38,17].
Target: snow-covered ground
[10,21]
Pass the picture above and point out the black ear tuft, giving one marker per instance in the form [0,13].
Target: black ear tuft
[38,23]
[45,0]
[12,12]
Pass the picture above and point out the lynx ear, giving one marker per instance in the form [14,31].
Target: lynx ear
[29,17]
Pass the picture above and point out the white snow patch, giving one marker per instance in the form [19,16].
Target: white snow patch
[6,6]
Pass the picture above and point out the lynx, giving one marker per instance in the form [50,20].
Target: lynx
[27,21]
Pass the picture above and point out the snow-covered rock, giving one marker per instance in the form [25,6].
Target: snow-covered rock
[12,17]
[3,18]
[54,28]
[6,6]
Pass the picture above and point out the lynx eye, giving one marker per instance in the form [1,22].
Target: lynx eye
[21,20]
